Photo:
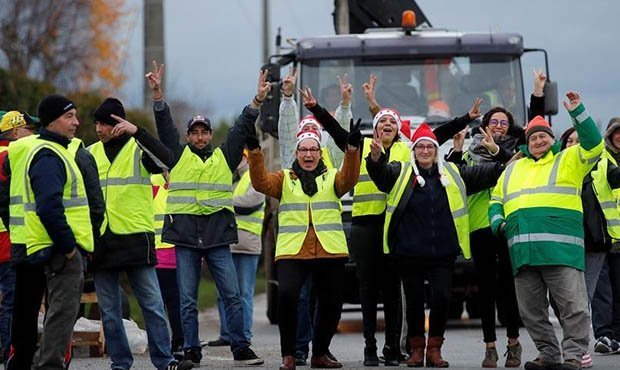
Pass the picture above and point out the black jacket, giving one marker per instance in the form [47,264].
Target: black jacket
[122,251]
[219,228]
[422,223]
[597,238]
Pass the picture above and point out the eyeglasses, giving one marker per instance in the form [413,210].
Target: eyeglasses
[308,150]
[495,122]
[422,148]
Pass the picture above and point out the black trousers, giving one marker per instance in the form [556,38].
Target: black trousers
[170,293]
[438,271]
[328,284]
[30,283]
[495,282]
[378,278]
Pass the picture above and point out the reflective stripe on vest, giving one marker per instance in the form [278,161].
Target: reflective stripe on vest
[200,188]
[159,209]
[457,200]
[127,190]
[18,154]
[606,198]
[74,201]
[367,199]
[548,195]
[294,216]
[253,222]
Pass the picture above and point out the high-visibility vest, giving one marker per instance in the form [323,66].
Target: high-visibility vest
[367,199]
[253,222]
[294,216]
[159,209]
[457,201]
[327,159]
[477,205]
[2,227]
[74,200]
[606,198]
[126,187]
[200,188]
[18,153]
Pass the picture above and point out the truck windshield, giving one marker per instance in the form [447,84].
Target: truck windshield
[434,89]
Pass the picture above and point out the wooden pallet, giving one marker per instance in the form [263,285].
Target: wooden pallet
[93,339]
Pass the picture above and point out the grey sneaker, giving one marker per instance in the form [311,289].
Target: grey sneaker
[603,345]
[513,355]
[490,357]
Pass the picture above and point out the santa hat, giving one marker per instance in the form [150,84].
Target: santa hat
[537,124]
[308,120]
[424,132]
[313,135]
[387,112]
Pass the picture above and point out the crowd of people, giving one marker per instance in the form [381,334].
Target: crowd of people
[539,217]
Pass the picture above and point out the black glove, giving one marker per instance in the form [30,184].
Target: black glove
[251,142]
[355,135]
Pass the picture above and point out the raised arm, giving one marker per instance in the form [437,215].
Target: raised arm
[382,173]
[287,120]
[328,121]
[446,131]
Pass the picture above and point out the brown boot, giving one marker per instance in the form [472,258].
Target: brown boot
[416,357]
[433,353]
[288,363]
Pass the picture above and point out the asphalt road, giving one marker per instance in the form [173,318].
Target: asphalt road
[463,347]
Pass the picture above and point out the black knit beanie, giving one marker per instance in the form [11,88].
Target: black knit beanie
[107,108]
[52,107]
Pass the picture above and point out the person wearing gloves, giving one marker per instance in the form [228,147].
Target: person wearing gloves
[311,240]
[537,207]
[426,226]
[376,274]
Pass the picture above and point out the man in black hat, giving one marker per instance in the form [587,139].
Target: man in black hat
[126,156]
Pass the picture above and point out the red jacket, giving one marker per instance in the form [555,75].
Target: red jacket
[5,241]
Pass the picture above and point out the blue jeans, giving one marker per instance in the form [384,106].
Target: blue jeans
[220,263]
[143,280]
[245,266]
[7,291]
[305,320]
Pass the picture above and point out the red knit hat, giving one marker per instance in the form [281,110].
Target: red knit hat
[313,135]
[424,132]
[537,124]
[308,120]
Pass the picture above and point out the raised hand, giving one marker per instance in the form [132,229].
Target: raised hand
[123,127]
[355,134]
[375,145]
[488,141]
[264,86]
[368,88]
[458,140]
[539,82]
[288,83]
[573,101]
[308,99]
[346,89]
[474,111]
[154,79]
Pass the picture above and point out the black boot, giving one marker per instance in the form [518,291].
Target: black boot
[370,356]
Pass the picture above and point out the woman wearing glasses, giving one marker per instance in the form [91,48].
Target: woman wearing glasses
[496,140]
[311,240]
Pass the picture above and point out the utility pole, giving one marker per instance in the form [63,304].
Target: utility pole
[153,40]
[265,31]
[342,17]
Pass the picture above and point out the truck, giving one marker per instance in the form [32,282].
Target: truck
[427,74]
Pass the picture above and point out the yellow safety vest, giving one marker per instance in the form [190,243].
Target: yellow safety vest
[457,201]
[126,187]
[327,160]
[200,188]
[294,219]
[159,209]
[367,199]
[606,198]
[2,227]
[74,201]
[253,222]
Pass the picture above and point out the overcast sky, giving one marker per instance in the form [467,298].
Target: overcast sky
[213,48]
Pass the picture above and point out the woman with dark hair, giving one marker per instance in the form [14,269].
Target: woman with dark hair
[569,138]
